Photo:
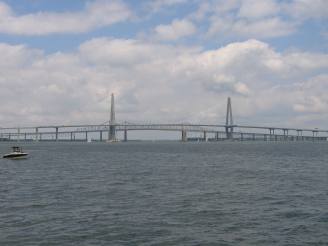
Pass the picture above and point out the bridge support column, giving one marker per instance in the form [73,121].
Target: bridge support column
[184,136]
[285,134]
[71,136]
[217,136]
[112,126]
[204,136]
[86,136]
[112,133]
[229,132]
[125,135]
[271,134]
[56,136]
[36,134]
[18,134]
[299,135]
[100,136]
[229,121]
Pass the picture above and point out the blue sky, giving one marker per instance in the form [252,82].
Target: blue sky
[270,56]
[309,35]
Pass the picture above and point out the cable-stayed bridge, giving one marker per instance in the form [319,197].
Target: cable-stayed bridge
[208,132]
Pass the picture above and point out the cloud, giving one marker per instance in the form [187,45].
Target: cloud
[264,28]
[157,5]
[96,14]
[176,30]
[254,9]
[226,83]
[162,83]
[310,95]
[248,19]
[306,9]
[258,18]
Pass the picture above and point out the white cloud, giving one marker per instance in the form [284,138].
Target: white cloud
[156,5]
[305,9]
[254,9]
[154,82]
[19,55]
[311,95]
[96,14]
[176,30]
[259,18]
[264,28]
[248,19]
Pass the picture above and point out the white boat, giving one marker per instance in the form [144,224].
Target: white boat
[113,141]
[17,153]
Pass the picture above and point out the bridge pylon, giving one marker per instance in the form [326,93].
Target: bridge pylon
[112,124]
[229,120]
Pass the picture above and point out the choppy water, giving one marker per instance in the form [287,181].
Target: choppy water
[165,194]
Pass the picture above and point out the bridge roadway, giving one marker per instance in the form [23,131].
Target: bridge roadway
[241,132]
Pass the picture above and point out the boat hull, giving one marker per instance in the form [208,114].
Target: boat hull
[16,156]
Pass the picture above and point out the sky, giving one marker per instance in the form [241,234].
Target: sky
[166,61]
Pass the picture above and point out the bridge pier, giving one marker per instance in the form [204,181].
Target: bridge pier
[18,134]
[112,126]
[285,131]
[184,136]
[229,132]
[217,136]
[204,136]
[125,135]
[271,133]
[86,136]
[56,136]
[71,136]
[299,135]
[100,136]
[36,134]
[229,120]
[112,133]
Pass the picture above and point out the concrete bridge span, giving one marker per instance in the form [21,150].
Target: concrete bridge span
[108,130]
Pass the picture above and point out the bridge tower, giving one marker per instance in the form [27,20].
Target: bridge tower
[229,120]
[112,126]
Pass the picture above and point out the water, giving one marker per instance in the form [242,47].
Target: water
[168,193]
